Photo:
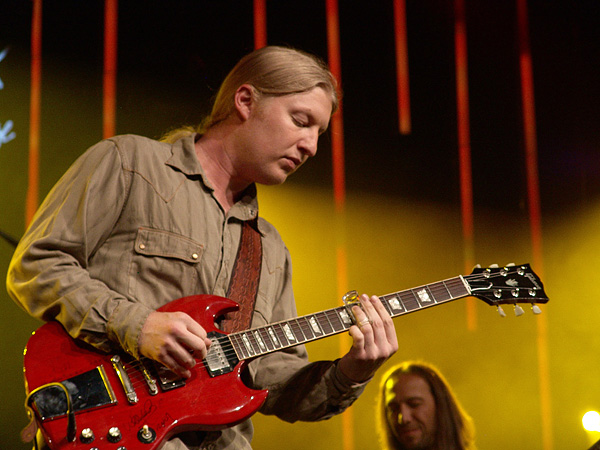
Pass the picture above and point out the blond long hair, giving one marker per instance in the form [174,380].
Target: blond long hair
[455,430]
[271,71]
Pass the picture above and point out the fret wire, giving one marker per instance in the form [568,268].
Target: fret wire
[399,296]
[233,346]
[384,299]
[341,313]
[410,301]
[280,333]
[439,292]
[297,330]
[228,347]
[447,290]
[338,320]
[234,338]
[306,328]
[457,288]
[416,298]
[292,338]
[274,337]
[266,338]
[330,325]
[247,343]
[262,345]
[395,299]
[429,298]
[315,320]
[349,314]
[242,343]
[253,343]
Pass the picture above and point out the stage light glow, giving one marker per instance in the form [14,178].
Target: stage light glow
[591,421]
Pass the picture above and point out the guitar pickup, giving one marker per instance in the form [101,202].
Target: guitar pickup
[221,357]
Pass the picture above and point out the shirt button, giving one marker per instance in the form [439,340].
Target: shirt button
[142,246]
[194,255]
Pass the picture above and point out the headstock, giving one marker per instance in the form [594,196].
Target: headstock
[508,285]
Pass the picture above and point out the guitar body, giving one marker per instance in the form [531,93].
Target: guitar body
[203,402]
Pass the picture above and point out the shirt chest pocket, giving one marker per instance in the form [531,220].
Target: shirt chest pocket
[164,266]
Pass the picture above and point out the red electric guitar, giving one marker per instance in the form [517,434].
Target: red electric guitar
[83,398]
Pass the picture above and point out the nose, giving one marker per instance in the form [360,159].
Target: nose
[309,143]
[404,416]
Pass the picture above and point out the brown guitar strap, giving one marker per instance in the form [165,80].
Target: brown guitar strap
[243,286]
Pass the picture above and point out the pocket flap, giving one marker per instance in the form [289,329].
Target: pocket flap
[162,243]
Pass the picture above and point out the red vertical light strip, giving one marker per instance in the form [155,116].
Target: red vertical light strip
[535,216]
[339,191]
[31,201]
[337,125]
[464,147]
[110,68]
[260,23]
[402,79]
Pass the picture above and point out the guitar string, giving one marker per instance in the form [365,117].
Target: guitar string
[305,328]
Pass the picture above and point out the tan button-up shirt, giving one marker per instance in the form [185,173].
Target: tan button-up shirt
[133,225]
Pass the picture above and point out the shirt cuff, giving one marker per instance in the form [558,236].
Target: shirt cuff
[345,384]
[125,325]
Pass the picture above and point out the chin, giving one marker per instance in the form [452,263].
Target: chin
[273,179]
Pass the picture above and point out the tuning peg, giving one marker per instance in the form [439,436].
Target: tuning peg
[510,265]
[501,311]
[518,310]
[493,266]
[536,309]
[477,266]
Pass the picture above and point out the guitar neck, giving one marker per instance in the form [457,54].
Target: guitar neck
[276,336]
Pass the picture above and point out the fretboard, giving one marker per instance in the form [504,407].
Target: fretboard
[289,333]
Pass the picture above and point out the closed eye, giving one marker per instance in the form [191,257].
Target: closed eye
[306,122]
[300,123]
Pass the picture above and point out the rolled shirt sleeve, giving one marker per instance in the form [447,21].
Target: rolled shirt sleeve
[49,275]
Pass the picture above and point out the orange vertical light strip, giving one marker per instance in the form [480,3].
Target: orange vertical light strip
[110,68]
[31,201]
[535,215]
[260,23]
[337,125]
[402,79]
[464,147]
[339,192]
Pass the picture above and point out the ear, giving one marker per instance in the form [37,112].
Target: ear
[244,100]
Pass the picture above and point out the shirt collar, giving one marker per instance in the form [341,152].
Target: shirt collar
[183,158]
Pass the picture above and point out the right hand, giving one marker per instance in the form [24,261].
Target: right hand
[175,340]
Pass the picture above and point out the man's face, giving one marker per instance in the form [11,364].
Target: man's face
[280,134]
[410,411]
